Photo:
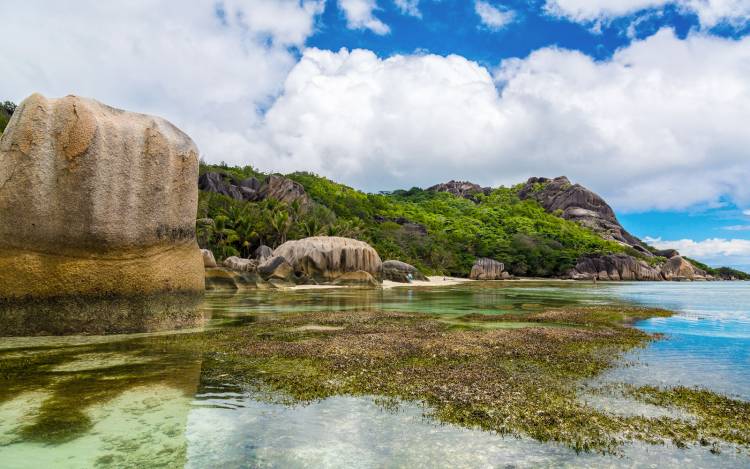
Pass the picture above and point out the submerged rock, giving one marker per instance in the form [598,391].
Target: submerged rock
[326,258]
[614,267]
[96,201]
[488,269]
[398,271]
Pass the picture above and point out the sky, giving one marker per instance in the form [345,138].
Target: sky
[646,102]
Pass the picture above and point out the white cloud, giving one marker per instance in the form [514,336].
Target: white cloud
[715,251]
[207,66]
[710,12]
[359,15]
[645,132]
[492,17]
[737,228]
[746,212]
[409,7]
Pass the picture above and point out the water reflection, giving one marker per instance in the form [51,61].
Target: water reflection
[133,401]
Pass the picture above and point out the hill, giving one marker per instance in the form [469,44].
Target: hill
[436,230]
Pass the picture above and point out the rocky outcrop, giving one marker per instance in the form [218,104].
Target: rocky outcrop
[263,252]
[465,189]
[668,253]
[576,203]
[96,201]
[325,258]
[613,267]
[276,267]
[239,264]
[208,258]
[252,190]
[397,271]
[679,268]
[488,269]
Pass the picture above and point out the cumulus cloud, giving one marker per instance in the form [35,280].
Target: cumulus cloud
[746,212]
[645,132]
[208,66]
[715,251]
[493,17]
[359,15]
[737,228]
[409,7]
[710,12]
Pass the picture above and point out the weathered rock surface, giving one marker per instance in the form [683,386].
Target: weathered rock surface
[250,189]
[358,278]
[221,278]
[614,267]
[488,269]
[276,267]
[679,268]
[398,271]
[465,189]
[578,204]
[208,258]
[668,253]
[239,264]
[96,201]
[263,252]
[325,258]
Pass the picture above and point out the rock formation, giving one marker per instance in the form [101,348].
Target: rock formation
[614,267]
[488,269]
[465,189]
[398,271]
[276,267]
[679,268]
[96,201]
[263,252]
[250,189]
[208,258]
[239,264]
[355,279]
[325,258]
[578,204]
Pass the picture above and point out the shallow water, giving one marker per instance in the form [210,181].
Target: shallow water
[165,418]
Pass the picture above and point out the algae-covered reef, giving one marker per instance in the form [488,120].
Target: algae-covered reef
[513,374]
[479,371]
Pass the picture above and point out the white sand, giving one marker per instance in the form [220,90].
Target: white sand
[434,281]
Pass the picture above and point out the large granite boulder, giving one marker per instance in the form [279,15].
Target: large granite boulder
[325,258]
[679,268]
[283,189]
[397,271]
[488,269]
[239,264]
[576,203]
[613,267]
[96,201]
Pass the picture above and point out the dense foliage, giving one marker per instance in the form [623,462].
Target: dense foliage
[723,272]
[6,111]
[437,232]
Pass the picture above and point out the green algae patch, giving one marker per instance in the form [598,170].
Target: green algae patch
[512,381]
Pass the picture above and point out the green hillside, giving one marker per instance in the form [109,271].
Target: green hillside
[6,111]
[437,232]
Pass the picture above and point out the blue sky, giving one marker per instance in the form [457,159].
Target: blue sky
[643,101]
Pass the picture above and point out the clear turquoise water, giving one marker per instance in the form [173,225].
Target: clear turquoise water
[172,421]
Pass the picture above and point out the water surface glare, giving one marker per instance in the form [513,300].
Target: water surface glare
[166,418]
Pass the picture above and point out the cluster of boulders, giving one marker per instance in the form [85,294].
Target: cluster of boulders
[315,260]
[251,189]
[624,267]
[397,271]
[465,189]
